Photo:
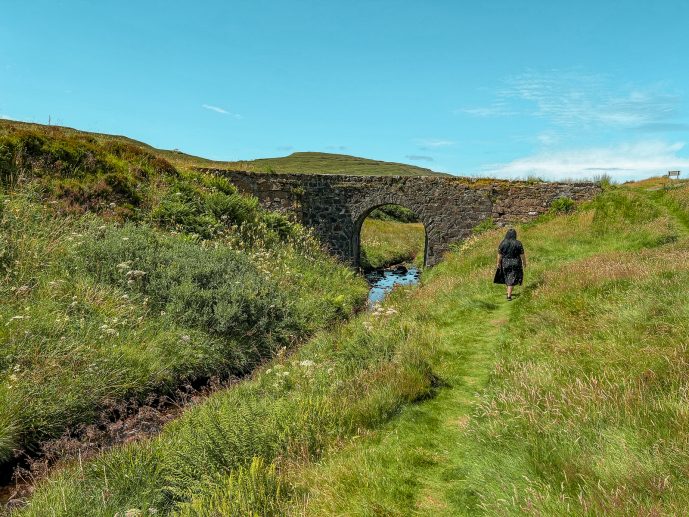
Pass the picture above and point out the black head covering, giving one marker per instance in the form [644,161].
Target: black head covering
[510,247]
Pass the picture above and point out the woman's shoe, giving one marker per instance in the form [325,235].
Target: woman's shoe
[509,298]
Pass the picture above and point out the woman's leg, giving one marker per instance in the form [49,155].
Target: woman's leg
[509,291]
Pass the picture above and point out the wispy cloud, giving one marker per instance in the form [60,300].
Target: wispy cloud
[222,111]
[571,98]
[419,158]
[5,117]
[336,147]
[433,143]
[495,109]
[662,127]
[624,162]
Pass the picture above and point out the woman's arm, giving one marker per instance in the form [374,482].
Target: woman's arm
[499,260]
[523,257]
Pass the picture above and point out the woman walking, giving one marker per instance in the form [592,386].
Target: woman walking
[511,261]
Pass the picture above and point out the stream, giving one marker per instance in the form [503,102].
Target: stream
[383,280]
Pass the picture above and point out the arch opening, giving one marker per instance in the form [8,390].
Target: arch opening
[389,234]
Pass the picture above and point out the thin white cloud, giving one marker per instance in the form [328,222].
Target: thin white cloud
[570,98]
[433,143]
[498,108]
[215,108]
[221,110]
[624,162]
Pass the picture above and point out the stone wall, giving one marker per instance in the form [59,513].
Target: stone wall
[449,207]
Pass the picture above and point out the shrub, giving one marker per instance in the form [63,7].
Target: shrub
[604,180]
[81,173]
[394,213]
[215,289]
[563,205]
[204,211]
[484,226]
[256,490]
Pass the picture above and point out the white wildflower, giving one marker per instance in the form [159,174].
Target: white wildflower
[135,274]
[21,291]
[307,363]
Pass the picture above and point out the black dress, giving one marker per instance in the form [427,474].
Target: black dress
[511,251]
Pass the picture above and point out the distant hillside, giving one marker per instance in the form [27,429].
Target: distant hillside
[327,163]
[306,162]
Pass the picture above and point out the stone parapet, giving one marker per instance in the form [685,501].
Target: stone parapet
[449,207]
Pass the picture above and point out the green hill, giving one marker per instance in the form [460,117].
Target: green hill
[304,162]
[326,163]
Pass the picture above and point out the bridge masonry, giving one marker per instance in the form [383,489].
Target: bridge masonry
[449,207]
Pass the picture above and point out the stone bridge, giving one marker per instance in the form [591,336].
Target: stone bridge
[449,207]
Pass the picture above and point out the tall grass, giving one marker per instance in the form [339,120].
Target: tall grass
[93,314]
[583,410]
[386,242]
[354,380]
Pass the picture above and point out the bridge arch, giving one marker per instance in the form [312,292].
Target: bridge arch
[361,217]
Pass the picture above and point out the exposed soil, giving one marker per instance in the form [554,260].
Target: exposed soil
[118,424]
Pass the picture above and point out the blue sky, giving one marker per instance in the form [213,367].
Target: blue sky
[502,88]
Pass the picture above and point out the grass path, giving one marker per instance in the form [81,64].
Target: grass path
[416,461]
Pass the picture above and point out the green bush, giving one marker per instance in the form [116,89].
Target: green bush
[252,490]
[205,210]
[484,226]
[394,213]
[79,172]
[215,289]
[563,205]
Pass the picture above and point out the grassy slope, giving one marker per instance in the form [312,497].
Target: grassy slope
[222,283]
[564,401]
[571,400]
[326,163]
[303,162]
[390,242]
